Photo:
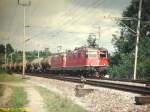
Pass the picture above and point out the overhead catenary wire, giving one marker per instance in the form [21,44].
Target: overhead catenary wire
[75,20]
[107,17]
[74,9]
[78,17]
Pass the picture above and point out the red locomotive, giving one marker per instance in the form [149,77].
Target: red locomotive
[81,61]
[84,61]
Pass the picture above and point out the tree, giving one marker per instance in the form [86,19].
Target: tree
[9,49]
[144,59]
[124,67]
[91,41]
[2,49]
[125,44]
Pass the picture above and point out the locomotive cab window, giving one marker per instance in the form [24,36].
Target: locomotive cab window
[103,54]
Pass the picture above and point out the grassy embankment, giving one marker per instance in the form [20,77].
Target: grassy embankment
[5,77]
[18,97]
[1,90]
[55,103]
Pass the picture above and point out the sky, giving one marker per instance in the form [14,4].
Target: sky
[65,23]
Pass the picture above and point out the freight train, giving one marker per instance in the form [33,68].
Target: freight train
[81,61]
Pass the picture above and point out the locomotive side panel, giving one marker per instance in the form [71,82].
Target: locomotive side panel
[58,61]
[92,57]
[75,59]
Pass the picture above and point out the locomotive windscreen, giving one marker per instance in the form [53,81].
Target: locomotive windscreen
[103,54]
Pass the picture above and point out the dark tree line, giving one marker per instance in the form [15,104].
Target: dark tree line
[122,62]
[17,55]
[9,48]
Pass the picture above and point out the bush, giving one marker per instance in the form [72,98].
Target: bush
[124,69]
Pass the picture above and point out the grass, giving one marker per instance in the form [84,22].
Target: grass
[18,99]
[5,77]
[55,103]
[1,90]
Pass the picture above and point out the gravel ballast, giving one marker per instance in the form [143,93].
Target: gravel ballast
[100,100]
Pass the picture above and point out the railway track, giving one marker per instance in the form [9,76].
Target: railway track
[134,87]
[133,81]
[131,88]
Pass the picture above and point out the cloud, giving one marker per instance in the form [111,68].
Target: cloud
[57,22]
[116,5]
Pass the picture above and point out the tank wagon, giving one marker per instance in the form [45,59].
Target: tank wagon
[36,65]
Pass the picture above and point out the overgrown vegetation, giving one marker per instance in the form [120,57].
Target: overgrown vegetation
[18,99]
[55,103]
[122,62]
[1,90]
[5,77]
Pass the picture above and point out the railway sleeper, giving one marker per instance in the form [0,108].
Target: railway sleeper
[81,91]
[141,100]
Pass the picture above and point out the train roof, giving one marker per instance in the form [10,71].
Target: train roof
[78,49]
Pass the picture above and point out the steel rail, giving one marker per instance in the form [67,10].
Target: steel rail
[140,89]
[144,90]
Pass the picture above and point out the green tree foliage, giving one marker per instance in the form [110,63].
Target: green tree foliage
[34,54]
[122,62]
[124,68]
[2,49]
[144,59]
[9,49]
[91,41]
[17,55]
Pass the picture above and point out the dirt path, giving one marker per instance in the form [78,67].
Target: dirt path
[35,100]
[35,104]
[14,84]
[59,92]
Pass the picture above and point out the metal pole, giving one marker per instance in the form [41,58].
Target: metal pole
[137,40]
[99,34]
[59,49]
[24,55]
[5,55]
[38,51]
[11,58]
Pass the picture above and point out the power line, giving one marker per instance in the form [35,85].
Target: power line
[71,13]
[85,14]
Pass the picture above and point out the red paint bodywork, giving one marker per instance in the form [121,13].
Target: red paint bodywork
[79,58]
[58,61]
